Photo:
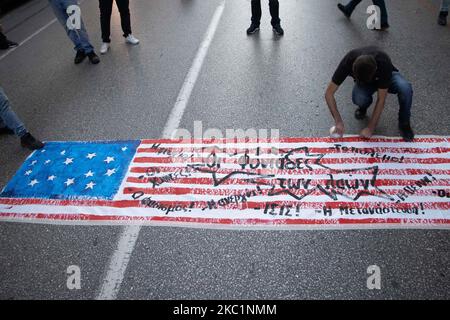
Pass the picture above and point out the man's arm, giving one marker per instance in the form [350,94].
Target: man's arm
[332,105]
[379,107]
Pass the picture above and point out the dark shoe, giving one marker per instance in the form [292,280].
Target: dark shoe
[442,19]
[80,57]
[253,28]
[28,141]
[6,130]
[278,30]
[406,131]
[11,44]
[360,113]
[343,10]
[4,45]
[93,58]
[385,26]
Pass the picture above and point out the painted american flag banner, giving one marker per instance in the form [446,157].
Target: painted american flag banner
[291,183]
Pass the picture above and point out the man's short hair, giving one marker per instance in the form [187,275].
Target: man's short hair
[364,68]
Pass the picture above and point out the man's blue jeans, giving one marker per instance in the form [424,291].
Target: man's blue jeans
[445,5]
[79,37]
[380,3]
[8,118]
[362,95]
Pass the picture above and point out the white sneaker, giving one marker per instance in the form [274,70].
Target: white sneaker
[104,48]
[131,39]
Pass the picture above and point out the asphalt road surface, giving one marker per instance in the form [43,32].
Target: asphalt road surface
[262,82]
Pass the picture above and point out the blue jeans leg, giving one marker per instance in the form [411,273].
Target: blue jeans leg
[80,37]
[404,91]
[8,118]
[362,95]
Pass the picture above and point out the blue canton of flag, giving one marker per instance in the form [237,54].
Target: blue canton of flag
[73,170]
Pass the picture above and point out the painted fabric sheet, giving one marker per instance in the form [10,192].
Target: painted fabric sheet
[291,183]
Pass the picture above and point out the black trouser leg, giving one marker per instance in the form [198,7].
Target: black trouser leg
[125,20]
[105,18]
[256,12]
[274,7]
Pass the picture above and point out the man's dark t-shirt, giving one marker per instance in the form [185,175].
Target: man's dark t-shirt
[383,75]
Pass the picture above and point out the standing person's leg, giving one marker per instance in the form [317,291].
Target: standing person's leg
[256,12]
[347,9]
[79,37]
[274,7]
[256,16]
[384,15]
[125,20]
[442,19]
[362,97]
[105,19]
[59,8]
[84,39]
[9,120]
[403,89]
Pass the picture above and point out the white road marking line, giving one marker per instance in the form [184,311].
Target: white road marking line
[121,256]
[27,39]
[189,82]
[7,53]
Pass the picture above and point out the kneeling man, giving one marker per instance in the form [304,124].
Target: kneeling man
[372,71]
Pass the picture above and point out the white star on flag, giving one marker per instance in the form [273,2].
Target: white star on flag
[91,155]
[27,173]
[69,182]
[33,162]
[51,178]
[63,152]
[90,185]
[124,149]
[89,174]
[110,172]
[33,182]
[109,159]
[47,161]
[68,161]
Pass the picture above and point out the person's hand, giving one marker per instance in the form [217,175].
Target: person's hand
[337,131]
[366,133]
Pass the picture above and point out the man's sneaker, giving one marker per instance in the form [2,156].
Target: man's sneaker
[360,113]
[104,48]
[132,40]
[80,56]
[442,19]
[28,141]
[253,28]
[278,30]
[342,8]
[406,131]
[93,58]
[6,130]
